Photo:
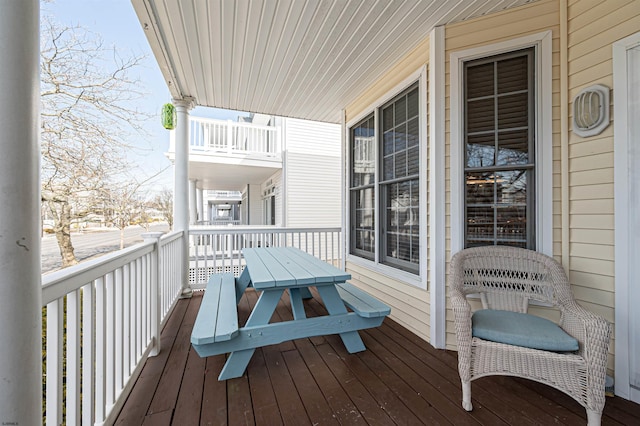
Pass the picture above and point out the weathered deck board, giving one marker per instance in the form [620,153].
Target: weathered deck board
[400,379]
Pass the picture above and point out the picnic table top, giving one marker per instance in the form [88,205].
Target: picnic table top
[283,267]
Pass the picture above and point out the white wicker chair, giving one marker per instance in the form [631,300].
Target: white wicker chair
[506,279]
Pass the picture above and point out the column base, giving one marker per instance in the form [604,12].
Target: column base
[187,293]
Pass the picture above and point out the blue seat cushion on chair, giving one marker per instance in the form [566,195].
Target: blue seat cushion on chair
[520,329]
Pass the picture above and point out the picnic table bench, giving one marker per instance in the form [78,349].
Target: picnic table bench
[271,271]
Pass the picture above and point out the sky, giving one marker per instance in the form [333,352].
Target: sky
[115,21]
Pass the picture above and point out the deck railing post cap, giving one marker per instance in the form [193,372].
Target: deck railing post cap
[152,235]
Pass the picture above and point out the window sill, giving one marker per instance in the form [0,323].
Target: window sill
[389,271]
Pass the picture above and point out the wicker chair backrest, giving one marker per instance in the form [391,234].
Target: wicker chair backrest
[507,278]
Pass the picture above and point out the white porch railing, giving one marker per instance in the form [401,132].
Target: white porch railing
[104,316]
[231,137]
[103,319]
[219,249]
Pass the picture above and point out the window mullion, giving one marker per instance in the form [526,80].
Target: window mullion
[496,148]
[376,192]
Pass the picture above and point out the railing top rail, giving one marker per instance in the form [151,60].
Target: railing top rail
[170,237]
[232,123]
[59,283]
[225,229]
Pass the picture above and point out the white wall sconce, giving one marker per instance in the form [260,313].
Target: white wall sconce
[591,111]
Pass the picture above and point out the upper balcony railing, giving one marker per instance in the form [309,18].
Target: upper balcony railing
[230,137]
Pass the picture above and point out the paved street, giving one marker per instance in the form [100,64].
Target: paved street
[92,243]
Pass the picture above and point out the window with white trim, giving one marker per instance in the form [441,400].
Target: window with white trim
[499,150]
[394,141]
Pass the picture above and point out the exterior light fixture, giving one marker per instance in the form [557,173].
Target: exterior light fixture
[591,111]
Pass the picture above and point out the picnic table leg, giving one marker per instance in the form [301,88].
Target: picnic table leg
[335,305]
[236,364]
[242,282]
[305,293]
[238,360]
[296,303]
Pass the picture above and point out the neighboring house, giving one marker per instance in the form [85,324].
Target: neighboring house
[264,170]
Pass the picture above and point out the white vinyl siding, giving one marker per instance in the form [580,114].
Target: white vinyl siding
[312,178]
[592,28]
[409,304]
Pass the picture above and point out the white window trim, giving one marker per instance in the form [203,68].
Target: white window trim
[420,279]
[622,216]
[542,42]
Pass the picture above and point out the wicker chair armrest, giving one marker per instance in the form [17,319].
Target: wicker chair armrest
[592,331]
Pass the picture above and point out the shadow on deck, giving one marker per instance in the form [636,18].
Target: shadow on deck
[400,379]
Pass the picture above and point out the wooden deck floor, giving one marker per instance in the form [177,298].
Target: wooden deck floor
[399,379]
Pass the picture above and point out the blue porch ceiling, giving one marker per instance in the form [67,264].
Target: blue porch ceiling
[295,58]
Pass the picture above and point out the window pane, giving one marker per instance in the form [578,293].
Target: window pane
[413,133]
[415,250]
[392,211]
[387,118]
[392,245]
[480,115]
[413,105]
[363,153]
[512,225]
[480,80]
[363,219]
[388,143]
[413,161]
[513,111]
[480,188]
[512,74]
[496,207]
[364,240]
[481,150]
[387,168]
[403,230]
[401,163]
[513,147]
[511,187]
[480,224]
[401,138]
[400,110]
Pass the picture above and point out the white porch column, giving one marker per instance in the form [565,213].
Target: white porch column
[20,280]
[193,202]
[200,204]
[207,209]
[181,184]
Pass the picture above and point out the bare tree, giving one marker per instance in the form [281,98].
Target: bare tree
[123,206]
[88,113]
[163,202]
[127,205]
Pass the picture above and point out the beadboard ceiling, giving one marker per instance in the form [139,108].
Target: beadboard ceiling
[294,58]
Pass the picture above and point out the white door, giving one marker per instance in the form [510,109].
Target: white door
[626,65]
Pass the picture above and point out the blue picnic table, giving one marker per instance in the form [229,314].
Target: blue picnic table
[272,271]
